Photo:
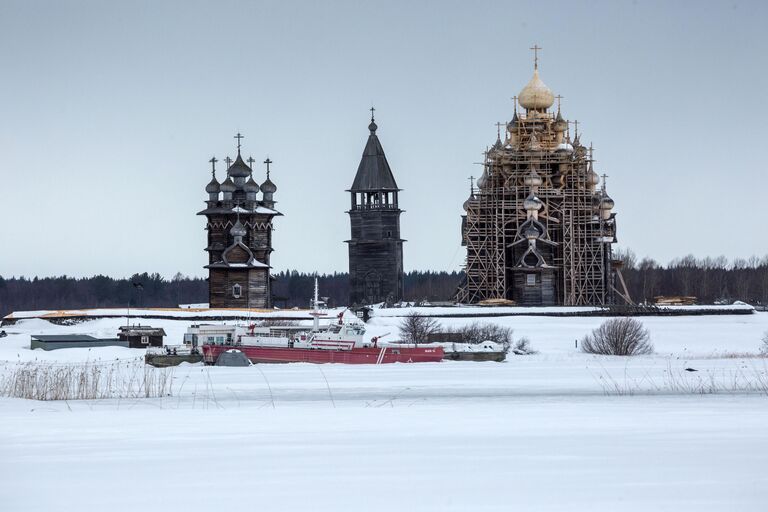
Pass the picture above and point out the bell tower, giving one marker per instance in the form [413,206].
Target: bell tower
[375,247]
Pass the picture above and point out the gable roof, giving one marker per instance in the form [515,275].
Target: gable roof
[373,173]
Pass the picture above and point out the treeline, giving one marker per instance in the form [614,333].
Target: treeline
[290,289]
[710,280]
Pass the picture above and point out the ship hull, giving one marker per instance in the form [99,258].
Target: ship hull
[380,355]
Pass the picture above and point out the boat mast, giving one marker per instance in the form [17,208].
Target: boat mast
[315,310]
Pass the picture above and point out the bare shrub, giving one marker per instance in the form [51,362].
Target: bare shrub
[523,347]
[764,344]
[416,328]
[478,332]
[618,337]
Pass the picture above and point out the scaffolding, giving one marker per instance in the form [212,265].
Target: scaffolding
[575,227]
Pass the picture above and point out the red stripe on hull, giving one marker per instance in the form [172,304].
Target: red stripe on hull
[303,355]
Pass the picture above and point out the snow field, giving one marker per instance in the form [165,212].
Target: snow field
[539,432]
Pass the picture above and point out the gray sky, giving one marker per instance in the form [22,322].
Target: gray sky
[111,110]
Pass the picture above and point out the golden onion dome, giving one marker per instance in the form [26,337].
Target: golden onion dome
[536,95]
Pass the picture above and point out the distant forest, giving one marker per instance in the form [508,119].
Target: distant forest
[707,279]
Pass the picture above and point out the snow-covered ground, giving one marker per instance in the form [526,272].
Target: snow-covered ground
[559,430]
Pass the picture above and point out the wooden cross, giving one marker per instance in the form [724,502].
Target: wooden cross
[498,129]
[239,138]
[472,184]
[604,176]
[213,165]
[372,111]
[576,127]
[268,161]
[514,98]
[536,49]
[591,151]
[228,161]
[558,101]
[250,161]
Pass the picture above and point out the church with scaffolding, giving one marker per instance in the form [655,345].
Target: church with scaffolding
[539,227]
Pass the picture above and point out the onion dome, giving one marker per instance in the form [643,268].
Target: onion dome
[531,233]
[466,203]
[251,186]
[268,187]
[213,186]
[564,147]
[533,179]
[606,203]
[560,124]
[239,169]
[512,125]
[532,203]
[238,229]
[483,179]
[373,127]
[592,177]
[228,185]
[535,95]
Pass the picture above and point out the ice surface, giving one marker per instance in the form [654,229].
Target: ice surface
[535,433]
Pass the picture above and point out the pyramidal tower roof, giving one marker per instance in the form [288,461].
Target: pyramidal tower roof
[373,173]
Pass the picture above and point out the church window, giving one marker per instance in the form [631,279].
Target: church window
[145,340]
[237,291]
[530,279]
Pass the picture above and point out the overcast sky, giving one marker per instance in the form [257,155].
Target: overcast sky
[111,111]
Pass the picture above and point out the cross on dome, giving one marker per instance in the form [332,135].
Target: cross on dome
[536,49]
[213,165]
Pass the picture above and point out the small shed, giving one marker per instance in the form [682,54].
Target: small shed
[141,336]
[57,341]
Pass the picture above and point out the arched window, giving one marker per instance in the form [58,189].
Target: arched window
[237,291]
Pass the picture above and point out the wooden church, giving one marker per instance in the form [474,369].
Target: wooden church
[239,214]
[375,246]
[540,226]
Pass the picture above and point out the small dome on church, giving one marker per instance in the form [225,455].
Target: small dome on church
[592,177]
[533,179]
[483,179]
[228,185]
[251,186]
[239,169]
[512,125]
[373,127]
[606,203]
[532,203]
[560,125]
[238,229]
[536,95]
[531,233]
[268,187]
[213,186]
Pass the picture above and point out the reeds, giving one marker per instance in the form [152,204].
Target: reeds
[84,381]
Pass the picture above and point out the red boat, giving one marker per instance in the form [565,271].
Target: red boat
[372,355]
[340,342]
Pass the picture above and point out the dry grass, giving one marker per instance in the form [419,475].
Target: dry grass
[84,381]
[752,380]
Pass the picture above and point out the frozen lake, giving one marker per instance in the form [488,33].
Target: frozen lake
[552,431]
